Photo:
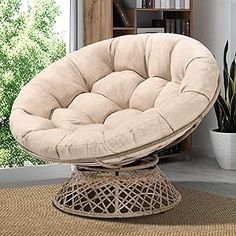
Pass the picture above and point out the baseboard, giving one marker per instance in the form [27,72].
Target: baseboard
[203,151]
[34,173]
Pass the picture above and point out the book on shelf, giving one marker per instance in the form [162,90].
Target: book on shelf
[172,4]
[157,4]
[170,26]
[177,4]
[144,4]
[178,26]
[149,3]
[186,27]
[168,4]
[163,4]
[150,30]
[182,4]
[187,4]
[139,3]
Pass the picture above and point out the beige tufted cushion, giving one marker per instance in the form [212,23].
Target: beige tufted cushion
[116,99]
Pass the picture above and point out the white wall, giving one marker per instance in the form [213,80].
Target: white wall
[233,26]
[213,25]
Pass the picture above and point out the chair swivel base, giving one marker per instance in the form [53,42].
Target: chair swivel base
[106,193]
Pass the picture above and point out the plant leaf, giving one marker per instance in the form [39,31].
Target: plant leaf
[225,114]
[226,72]
[224,122]
[232,69]
[218,112]
[233,114]
[230,91]
[224,106]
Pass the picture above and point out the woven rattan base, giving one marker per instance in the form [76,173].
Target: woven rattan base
[107,194]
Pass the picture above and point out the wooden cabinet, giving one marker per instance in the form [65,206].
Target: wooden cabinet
[98,20]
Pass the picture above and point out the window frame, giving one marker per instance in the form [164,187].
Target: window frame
[17,176]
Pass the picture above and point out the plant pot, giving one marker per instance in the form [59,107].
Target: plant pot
[224,147]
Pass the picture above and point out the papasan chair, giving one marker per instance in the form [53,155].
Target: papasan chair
[106,109]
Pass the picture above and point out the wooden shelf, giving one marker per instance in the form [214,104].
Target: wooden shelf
[163,10]
[123,28]
[109,25]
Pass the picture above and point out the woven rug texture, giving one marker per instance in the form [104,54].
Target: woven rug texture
[29,211]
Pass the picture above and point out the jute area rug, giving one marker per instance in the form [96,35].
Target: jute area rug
[29,211]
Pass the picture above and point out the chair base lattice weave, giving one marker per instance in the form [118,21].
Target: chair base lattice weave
[108,194]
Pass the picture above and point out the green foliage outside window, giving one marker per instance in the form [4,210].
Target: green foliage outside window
[27,45]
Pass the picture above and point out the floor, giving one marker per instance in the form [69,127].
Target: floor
[202,173]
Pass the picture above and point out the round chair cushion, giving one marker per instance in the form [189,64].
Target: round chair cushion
[117,99]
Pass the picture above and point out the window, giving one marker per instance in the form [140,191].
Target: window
[33,34]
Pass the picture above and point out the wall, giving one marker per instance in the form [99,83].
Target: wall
[212,26]
[233,26]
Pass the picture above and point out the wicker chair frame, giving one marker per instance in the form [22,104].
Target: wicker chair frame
[131,191]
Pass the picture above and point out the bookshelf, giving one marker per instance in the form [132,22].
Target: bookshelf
[102,21]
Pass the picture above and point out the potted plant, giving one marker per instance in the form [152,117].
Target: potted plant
[224,137]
